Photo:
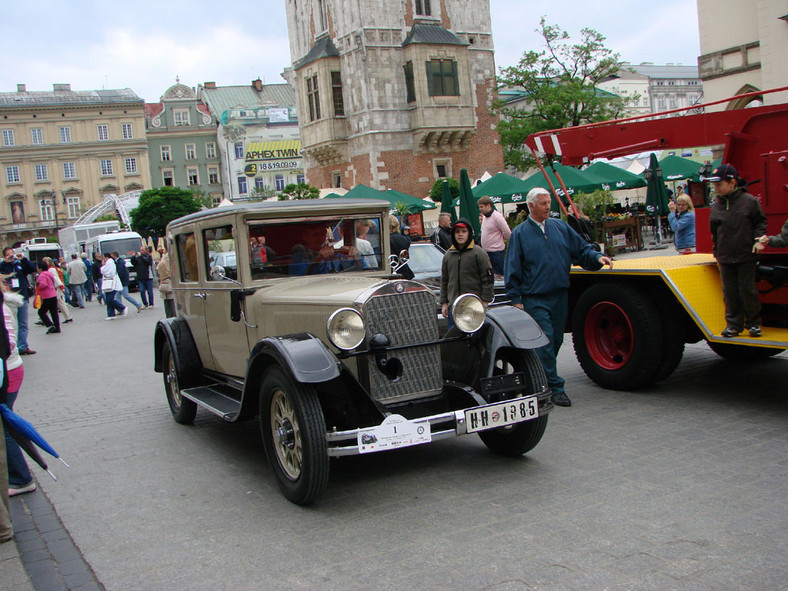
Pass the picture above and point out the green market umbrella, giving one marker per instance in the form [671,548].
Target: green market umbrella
[415,205]
[675,168]
[576,181]
[468,208]
[615,178]
[502,188]
[656,193]
[446,202]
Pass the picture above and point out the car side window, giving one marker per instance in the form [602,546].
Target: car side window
[219,249]
[186,245]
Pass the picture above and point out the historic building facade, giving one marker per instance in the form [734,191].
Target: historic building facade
[62,151]
[743,46]
[257,137]
[182,145]
[395,95]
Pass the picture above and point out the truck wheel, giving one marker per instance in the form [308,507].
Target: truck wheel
[516,440]
[294,437]
[618,336]
[743,352]
[183,410]
[673,349]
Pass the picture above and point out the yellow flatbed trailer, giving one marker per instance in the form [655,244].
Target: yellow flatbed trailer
[630,323]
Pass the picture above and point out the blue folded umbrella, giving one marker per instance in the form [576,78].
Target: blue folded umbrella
[25,434]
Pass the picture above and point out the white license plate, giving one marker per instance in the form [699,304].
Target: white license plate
[394,432]
[501,414]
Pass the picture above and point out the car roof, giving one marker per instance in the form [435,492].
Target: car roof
[291,207]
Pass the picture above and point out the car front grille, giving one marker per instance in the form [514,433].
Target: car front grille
[405,318]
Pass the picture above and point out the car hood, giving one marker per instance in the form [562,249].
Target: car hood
[324,290]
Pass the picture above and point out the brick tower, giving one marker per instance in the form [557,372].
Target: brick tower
[394,93]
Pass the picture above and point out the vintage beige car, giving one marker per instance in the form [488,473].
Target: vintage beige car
[292,312]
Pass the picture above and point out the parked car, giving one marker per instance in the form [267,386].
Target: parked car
[425,262]
[335,358]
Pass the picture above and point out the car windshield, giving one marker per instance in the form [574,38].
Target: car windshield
[279,248]
[123,246]
[425,258]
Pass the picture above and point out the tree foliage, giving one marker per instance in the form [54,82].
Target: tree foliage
[436,193]
[158,207]
[560,85]
[299,191]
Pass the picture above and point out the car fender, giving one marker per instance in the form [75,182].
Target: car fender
[517,327]
[305,357]
[184,350]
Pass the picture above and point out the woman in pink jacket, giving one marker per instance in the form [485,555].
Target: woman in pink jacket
[45,287]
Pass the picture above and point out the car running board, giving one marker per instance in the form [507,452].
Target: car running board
[212,399]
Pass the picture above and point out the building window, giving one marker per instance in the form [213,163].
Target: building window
[213,176]
[280,182]
[165,153]
[239,150]
[193,176]
[69,170]
[65,135]
[423,8]
[336,94]
[191,151]
[410,85]
[672,102]
[47,211]
[441,170]
[181,117]
[321,7]
[301,178]
[210,150]
[72,205]
[131,166]
[128,133]
[41,172]
[8,137]
[12,174]
[442,78]
[258,183]
[37,135]
[106,167]
[661,104]
[336,180]
[166,178]
[313,96]
[242,185]
[103,132]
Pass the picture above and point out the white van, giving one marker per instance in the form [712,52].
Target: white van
[122,242]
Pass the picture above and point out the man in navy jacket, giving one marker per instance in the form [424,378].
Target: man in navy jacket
[541,251]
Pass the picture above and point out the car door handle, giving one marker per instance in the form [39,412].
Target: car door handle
[202,295]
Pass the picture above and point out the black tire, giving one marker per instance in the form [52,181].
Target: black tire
[733,352]
[618,336]
[183,410]
[294,437]
[673,323]
[519,439]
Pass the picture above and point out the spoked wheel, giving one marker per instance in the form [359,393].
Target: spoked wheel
[294,437]
[516,440]
[183,410]
[618,336]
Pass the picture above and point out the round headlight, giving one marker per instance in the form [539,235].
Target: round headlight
[467,312]
[346,329]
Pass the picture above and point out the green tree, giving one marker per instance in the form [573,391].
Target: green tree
[202,197]
[560,85]
[299,191]
[158,207]
[436,193]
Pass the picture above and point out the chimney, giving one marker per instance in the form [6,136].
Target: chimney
[258,84]
[21,87]
[211,85]
[61,87]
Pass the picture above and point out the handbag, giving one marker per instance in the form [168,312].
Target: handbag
[37,302]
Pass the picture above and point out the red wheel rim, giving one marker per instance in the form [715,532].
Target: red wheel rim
[608,336]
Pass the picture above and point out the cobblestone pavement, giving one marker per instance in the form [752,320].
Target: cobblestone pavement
[681,486]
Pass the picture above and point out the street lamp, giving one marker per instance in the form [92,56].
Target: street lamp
[54,209]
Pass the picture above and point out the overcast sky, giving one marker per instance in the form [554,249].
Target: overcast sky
[144,45]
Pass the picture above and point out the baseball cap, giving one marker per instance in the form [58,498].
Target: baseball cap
[724,172]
